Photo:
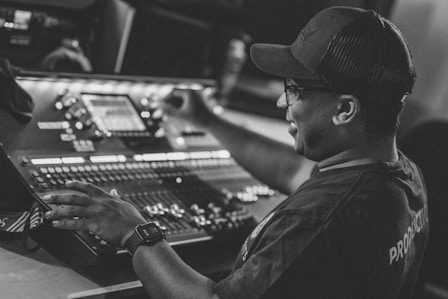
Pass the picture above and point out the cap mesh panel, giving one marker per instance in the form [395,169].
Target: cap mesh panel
[368,54]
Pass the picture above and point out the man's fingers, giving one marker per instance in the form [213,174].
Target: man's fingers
[71,224]
[78,224]
[66,211]
[68,199]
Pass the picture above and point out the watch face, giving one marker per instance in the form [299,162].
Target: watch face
[150,232]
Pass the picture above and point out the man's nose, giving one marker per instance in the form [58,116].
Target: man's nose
[281,101]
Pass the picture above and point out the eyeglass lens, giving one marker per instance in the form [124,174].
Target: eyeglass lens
[292,91]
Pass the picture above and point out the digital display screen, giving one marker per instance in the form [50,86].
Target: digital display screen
[113,112]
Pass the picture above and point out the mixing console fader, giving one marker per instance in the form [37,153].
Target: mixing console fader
[109,131]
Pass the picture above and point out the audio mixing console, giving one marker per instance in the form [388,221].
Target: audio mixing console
[108,130]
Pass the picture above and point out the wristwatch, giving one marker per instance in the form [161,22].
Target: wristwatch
[145,234]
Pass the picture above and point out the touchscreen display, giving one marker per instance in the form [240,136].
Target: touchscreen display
[113,112]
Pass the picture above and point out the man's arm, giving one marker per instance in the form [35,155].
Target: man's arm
[165,275]
[161,270]
[271,161]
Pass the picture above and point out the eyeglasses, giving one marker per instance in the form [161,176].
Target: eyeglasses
[293,92]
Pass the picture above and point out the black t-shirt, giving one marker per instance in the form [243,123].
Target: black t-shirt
[355,232]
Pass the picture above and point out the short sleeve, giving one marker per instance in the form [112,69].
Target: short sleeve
[280,243]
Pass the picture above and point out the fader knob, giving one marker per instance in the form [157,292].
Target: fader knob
[157,114]
[84,122]
[67,101]
[95,134]
[59,105]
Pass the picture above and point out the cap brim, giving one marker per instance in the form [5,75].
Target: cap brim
[277,60]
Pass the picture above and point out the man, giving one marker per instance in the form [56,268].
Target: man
[356,228]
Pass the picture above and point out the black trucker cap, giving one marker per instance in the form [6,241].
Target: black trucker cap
[349,49]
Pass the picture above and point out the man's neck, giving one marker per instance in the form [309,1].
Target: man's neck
[384,150]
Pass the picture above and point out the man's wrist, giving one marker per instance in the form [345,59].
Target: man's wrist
[130,229]
[126,236]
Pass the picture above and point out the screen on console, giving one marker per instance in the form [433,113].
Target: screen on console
[113,112]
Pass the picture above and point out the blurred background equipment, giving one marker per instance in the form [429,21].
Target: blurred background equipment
[30,30]
[68,57]
[173,38]
[166,43]
[65,35]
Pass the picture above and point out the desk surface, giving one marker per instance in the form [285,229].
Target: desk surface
[41,275]
[37,275]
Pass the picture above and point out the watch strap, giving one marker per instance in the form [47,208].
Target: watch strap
[133,242]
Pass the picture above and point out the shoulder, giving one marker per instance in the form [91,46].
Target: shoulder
[327,193]
[359,200]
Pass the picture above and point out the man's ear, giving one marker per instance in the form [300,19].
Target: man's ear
[347,109]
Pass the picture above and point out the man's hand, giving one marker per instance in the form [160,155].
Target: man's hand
[89,208]
[189,105]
